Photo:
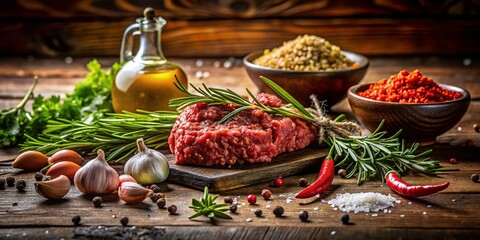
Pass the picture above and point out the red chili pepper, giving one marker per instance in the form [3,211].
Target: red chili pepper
[324,180]
[407,190]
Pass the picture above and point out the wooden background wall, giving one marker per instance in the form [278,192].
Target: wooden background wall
[222,28]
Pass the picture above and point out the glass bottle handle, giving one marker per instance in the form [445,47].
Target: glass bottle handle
[126,53]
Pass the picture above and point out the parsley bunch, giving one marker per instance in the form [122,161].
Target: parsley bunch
[206,206]
[90,100]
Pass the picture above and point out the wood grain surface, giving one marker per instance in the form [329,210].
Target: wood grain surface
[451,214]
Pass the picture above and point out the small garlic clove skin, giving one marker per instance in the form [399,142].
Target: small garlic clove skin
[66,156]
[132,192]
[30,160]
[56,188]
[126,178]
[148,166]
[96,177]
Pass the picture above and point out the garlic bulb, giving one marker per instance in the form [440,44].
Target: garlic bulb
[53,189]
[96,177]
[131,192]
[147,166]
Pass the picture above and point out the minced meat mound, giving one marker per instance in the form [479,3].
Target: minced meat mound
[251,136]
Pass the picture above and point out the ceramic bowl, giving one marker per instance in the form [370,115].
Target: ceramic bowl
[421,122]
[331,86]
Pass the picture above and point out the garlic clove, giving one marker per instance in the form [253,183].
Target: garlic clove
[148,166]
[126,178]
[65,156]
[30,160]
[96,177]
[63,168]
[131,192]
[56,188]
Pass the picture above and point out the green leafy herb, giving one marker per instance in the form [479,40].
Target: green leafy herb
[206,206]
[90,100]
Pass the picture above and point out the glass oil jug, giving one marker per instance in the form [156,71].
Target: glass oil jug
[145,82]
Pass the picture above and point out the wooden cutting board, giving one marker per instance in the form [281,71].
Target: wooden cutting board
[219,179]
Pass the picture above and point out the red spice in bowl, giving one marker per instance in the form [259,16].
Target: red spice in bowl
[406,87]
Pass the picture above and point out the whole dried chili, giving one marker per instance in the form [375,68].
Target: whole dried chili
[407,190]
[406,87]
[323,181]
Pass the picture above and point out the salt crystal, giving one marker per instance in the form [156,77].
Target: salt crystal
[381,185]
[409,203]
[459,128]
[243,204]
[467,62]
[362,202]
[217,64]
[227,64]
[389,211]
[398,201]
[289,200]
[249,219]
[385,210]
[198,74]
[24,234]
[68,60]
[424,213]
[315,208]
[206,74]
[282,196]
[374,215]
[429,206]
[323,201]
[267,206]
[8,234]
[335,209]
[114,216]
[199,63]
[402,215]
[46,231]
[453,200]
[333,233]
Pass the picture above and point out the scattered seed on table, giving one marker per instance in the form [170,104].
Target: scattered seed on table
[342,173]
[97,201]
[303,182]
[172,209]
[38,176]
[161,203]
[233,208]
[155,196]
[21,185]
[10,181]
[278,211]
[453,160]
[474,177]
[2,183]
[76,220]
[228,200]
[345,218]
[258,212]
[266,194]
[303,215]
[476,127]
[124,221]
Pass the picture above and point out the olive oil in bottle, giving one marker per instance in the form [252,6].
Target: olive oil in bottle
[146,80]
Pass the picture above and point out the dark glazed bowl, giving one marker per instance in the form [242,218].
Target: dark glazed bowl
[327,85]
[421,122]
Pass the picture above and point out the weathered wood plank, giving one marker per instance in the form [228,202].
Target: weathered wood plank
[224,38]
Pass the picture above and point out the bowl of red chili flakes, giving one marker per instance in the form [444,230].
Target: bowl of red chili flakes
[422,108]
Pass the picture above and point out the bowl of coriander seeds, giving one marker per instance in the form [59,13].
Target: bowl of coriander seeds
[307,65]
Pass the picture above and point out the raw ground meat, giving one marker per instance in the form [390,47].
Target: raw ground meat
[249,137]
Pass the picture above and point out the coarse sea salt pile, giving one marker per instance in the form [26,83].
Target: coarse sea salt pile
[363,202]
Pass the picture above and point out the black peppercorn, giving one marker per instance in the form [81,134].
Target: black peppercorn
[10,181]
[97,201]
[342,173]
[124,221]
[258,212]
[474,177]
[39,176]
[303,182]
[303,215]
[278,211]
[233,208]
[476,127]
[155,196]
[266,194]
[345,218]
[2,183]
[76,220]
[155,188]
[21,185]
[172,209]
[228,200]
[161,203]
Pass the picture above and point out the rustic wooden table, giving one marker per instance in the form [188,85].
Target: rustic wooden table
[451,214]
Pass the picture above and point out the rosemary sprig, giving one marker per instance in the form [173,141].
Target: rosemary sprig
[116,134]
[206,206]
[375,155]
